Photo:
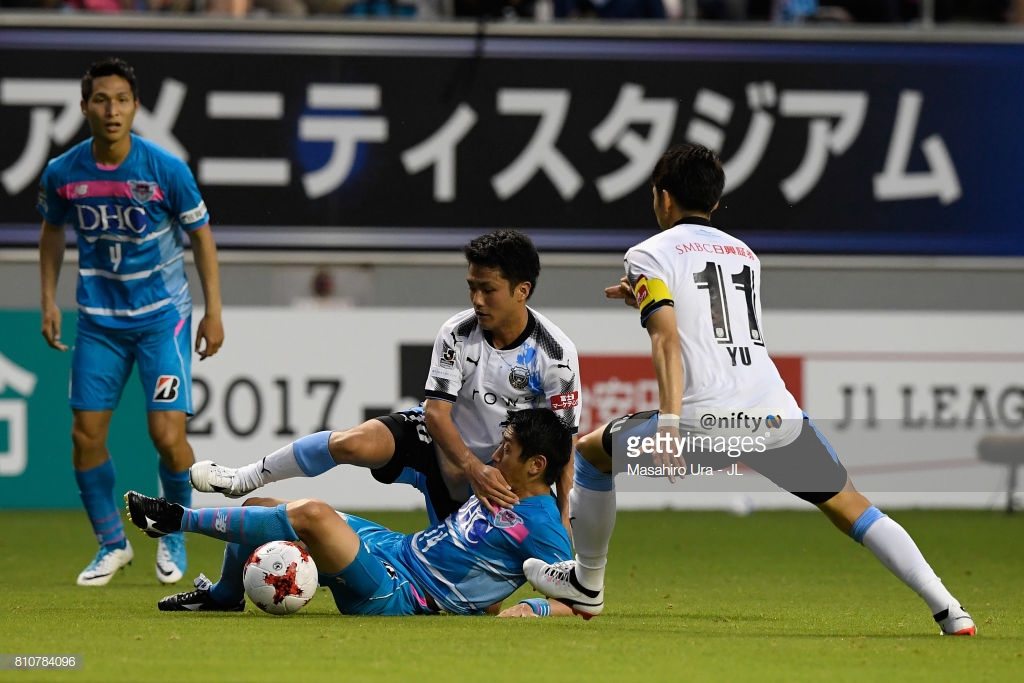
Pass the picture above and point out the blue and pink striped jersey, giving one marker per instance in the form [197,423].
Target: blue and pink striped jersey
[474,559]
[129,222]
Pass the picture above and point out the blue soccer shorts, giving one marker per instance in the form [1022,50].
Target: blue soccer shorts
[102,359]
[372,584]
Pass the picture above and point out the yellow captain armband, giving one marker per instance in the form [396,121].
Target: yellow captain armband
[650,290]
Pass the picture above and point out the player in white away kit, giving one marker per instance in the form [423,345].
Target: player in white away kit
[498,356]
[698,292]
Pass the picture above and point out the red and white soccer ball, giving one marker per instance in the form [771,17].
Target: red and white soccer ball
[280,577]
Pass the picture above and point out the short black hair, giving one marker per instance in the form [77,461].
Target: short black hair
[511,252]
[692,174]
[541,432]
[111,66]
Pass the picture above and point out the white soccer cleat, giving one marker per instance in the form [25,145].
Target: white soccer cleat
[955,621]
[209,477]
[171,560]
[106,563]
[559,581]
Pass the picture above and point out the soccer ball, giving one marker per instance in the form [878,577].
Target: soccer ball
[280,577]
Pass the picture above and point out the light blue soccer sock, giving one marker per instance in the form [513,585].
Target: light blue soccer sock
[229,589]
[96,487]
[896,550]
[175,485]
[249,524]
[592,509]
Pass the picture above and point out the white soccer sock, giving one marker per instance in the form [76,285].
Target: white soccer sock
[281,464]
[895,549]
[593,520]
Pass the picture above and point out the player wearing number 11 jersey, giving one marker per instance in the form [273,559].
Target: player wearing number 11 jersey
[698,293]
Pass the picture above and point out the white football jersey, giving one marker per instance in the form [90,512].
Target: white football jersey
[540,369]
[714,282]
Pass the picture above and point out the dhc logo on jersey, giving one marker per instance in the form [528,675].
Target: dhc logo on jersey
[111,217]
[166,389]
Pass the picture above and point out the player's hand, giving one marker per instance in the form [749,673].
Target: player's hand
[51,327]
[623,291]
[666,453]
[209,336]
[520,609]
[490,487]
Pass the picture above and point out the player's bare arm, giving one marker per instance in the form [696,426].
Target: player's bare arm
[210,331]
[51,257]
[668,369]
[487,483]
[522,609]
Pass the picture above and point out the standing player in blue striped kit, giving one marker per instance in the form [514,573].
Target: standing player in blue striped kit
[129,202]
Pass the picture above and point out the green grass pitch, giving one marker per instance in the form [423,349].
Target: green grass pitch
[691,596]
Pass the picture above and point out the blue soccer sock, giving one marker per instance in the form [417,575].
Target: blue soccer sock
[592,509]
[229,589]
[249,524]
[96,487]
[175,485]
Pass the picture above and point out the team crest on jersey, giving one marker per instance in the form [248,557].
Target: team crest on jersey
[142,190]
[519,378]
[166,389]
[447,355]
[505,519]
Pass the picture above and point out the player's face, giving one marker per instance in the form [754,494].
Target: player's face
[110,109]
[496,302]
[508,460]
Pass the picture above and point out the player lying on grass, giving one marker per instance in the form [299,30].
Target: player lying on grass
[466,564]
[701,324]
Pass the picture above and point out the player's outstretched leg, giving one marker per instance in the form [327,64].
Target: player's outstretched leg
[307,457]
[198,600]
[896,550]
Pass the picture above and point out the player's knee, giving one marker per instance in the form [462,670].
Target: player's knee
[87,440]
[309,515]
[166,437]
[591,447]
[354,447]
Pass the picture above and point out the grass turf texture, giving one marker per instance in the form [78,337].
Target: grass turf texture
[695,596]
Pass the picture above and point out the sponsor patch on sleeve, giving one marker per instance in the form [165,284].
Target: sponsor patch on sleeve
[565,401]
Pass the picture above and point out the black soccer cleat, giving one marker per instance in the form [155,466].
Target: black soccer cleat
[198,600]
[155,516]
